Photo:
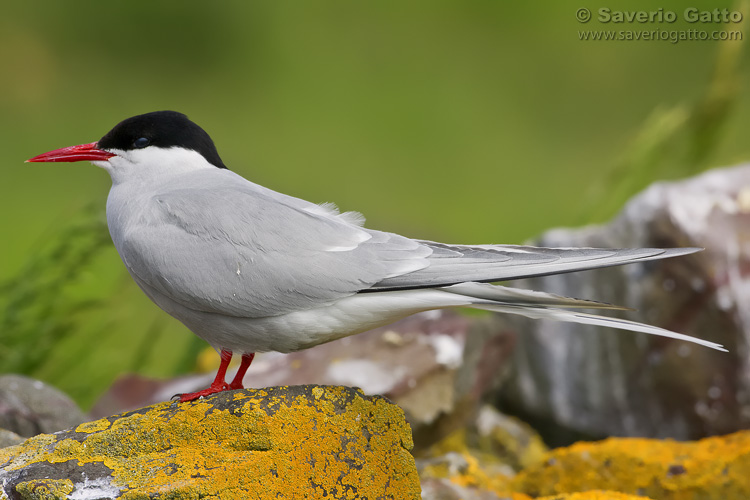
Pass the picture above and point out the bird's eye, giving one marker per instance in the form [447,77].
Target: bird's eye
[141,142]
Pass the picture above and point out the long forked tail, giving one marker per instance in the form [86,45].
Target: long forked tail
[542,305]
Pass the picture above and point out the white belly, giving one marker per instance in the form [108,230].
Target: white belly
[303,329]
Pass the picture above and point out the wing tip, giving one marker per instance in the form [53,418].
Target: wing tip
[676,252]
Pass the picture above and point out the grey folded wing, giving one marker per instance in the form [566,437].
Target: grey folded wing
[246,253]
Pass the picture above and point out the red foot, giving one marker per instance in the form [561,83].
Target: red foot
[219,384]
[191,396]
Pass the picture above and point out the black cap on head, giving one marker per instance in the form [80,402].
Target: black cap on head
[163,129]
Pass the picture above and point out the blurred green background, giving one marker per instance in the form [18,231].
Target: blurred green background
[459,121]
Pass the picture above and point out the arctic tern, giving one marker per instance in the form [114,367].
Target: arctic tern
[250,270]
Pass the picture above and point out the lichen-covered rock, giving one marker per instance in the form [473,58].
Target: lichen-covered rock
[445,489]
[281,442]
[506,437]
[594,495]
[716,468]
[479,461]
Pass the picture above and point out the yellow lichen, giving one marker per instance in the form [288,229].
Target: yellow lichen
[334,442]
[454,442]
[45,489]
[476,477]
[317,392]
[94,426]
[712,468]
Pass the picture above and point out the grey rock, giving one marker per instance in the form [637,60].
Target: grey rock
[8,438]
[29,407]
[574,380]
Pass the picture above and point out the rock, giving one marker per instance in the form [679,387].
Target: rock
[8,438]
[572,380]
[281,442]
[466,474]
[480,460]
[29,407]
[437,366]
[715,468]
[512,441]
[501,444]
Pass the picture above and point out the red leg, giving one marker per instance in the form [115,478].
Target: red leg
[244,365]
[219,384]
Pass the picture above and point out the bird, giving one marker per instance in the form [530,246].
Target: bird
[249,269]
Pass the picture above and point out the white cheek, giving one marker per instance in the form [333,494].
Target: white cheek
[101,164]
[166,160]
[151,162]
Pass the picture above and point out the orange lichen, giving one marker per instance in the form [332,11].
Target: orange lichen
[594,495]
[307,443]
[712,468]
